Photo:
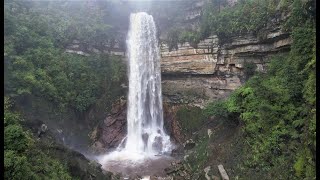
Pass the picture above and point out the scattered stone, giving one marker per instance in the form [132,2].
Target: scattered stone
[206,170]
[209,132]
[223,172]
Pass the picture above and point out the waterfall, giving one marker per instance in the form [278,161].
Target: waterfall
[145,115]
[145,134]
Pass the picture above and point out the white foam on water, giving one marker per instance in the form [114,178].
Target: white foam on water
[146,137]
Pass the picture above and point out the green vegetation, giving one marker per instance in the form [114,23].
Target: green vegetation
[190,118]
[249,69]
[247,16]
[37,67]
[177,35]
[22,159]
[199,156]
[218,109]
[36,64]
[278,108]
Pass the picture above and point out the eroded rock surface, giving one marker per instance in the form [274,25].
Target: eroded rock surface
[113,128]
[211,56]
[197,90]
[214,68]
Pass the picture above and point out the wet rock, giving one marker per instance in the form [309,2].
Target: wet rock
[113,129]
[157,145]
[42,129]
[171,124]
[145,137]
[178,150]
[118,106]
[77,164]
[97,147]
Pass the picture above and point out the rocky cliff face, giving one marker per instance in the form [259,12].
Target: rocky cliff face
[213,69]
[193,75]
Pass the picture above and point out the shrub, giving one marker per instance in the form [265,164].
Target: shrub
[190,118]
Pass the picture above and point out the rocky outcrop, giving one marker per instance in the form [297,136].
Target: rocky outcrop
[214,68]
[172,126]
[198,90]
[113,48]
[213,57]
[113,129]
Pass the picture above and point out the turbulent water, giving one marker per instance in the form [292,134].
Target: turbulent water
[146,138]
[145,116]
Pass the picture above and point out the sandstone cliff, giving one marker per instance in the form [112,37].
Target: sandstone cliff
[214,69]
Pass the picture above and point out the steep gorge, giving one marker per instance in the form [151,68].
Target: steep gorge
[194,76]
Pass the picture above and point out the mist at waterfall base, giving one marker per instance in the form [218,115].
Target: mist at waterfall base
[146,142]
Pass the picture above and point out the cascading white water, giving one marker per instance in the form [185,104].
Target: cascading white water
[145,115]
[145,134]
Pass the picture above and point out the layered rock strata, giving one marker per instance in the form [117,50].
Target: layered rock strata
[213,69]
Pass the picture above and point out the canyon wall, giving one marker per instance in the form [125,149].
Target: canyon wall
[192,75]
[212,70]
[198,76]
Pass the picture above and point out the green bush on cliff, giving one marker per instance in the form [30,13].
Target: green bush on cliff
[277,109]
[20,159]
[37,65]
[218,109]
[190,118]
[177,36]
[199,156]
[246,16]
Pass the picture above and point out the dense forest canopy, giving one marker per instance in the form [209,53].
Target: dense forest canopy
[36,34]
